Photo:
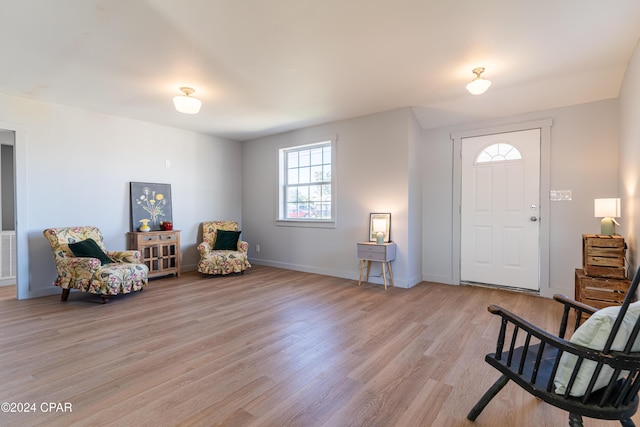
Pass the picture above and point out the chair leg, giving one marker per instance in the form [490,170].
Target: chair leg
[484,400]
[65,294]
[627,422]
[105,298]
[575,420]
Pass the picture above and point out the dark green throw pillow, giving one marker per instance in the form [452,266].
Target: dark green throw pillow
[226,240]
[89,249]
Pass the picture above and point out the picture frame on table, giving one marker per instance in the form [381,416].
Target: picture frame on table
[380,222]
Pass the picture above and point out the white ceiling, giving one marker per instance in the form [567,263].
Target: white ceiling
[265,66]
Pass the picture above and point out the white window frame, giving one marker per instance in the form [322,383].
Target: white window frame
[281,219]
[498,152]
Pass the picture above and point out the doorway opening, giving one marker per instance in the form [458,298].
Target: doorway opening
[500,209]
[8,264]
[542,210]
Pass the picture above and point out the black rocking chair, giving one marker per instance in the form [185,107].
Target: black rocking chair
[533,359]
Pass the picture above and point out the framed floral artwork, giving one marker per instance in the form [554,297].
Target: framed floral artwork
[150,205]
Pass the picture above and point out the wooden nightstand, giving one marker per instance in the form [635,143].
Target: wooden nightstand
[384,254]
[160,250]
[600,292]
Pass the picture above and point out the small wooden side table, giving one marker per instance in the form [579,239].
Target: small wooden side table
[384,254]
[160,250]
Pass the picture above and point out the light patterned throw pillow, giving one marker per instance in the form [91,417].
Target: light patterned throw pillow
[593,334]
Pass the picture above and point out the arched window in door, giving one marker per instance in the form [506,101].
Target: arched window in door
[499,152]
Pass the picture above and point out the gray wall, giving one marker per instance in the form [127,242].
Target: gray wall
[74,166]
[415,183]
[584,159]
[630,157]
[374,169]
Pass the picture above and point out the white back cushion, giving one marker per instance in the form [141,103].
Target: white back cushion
[593,334]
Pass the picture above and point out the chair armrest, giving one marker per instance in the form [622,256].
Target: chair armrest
[566,301]
[131,256]
[204,248]
[542,335]
[509,317]
[78,262]
[243,246]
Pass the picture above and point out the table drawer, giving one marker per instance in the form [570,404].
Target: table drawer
[376,252]
[159,236]
[372,255]
[149,238]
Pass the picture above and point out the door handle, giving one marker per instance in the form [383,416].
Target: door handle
[533,218]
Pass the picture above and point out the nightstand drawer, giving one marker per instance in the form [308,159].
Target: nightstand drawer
[372,255]
[149,238]
[374,252]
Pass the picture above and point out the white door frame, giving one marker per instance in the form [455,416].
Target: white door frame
[545,186]
[22,238]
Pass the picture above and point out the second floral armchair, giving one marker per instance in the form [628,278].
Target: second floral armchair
[222,251]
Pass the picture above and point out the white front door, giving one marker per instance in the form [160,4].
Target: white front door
[500,209]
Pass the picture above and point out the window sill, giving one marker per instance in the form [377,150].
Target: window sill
[308,223]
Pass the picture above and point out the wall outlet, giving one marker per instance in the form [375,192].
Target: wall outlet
[257,248]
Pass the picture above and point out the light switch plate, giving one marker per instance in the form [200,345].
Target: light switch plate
[560,195]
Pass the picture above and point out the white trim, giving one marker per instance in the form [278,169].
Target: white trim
[498,158]
[22,241]
[280,208]
[310,223]
[545,185]
[351,275]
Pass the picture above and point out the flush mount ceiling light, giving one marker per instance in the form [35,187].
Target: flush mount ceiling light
[186,103]
[478,85]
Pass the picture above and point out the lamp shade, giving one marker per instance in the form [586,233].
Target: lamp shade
[479,85]
[606,208]
[379,225]
[186,103]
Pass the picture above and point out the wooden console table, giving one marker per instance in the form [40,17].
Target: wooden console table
[160,250]
[371,251]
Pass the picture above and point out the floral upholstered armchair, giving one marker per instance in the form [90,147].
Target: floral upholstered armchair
[222,251]
[83,263]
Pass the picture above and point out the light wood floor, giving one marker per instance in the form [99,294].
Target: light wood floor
[7,292]
[268,348]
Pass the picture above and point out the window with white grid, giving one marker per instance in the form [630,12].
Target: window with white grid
[306,178]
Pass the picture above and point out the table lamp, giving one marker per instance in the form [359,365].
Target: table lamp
[607,209]
[379,227]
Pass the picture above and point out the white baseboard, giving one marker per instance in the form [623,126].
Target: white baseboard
[351,275]
[447,280]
